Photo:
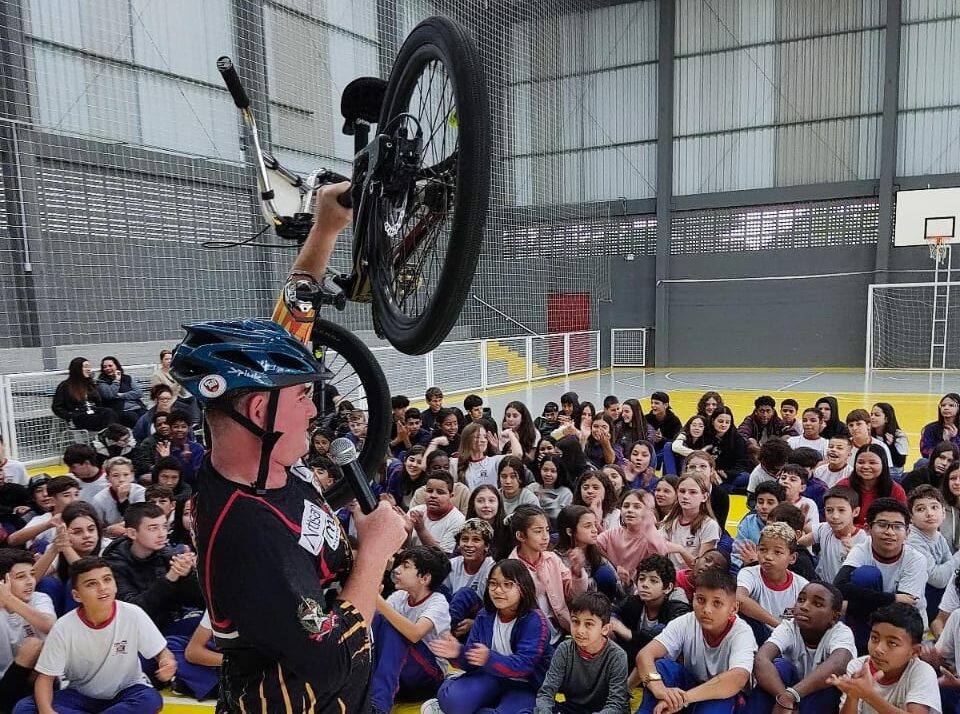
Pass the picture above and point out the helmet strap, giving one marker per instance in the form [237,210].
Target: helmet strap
[268,437]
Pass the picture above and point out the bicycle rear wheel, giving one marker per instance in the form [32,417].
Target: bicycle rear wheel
[353,373]
[426,229]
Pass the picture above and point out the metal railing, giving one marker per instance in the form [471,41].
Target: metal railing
[35,435]
[628,346]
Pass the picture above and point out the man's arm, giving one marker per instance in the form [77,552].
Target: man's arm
[329,219]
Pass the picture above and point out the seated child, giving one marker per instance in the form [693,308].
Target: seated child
[642,616]
[838,465]
[943,658]
[716,647]
[792,516]
[163,497]
[469,571]
[26,616]
[773,457]
[892,678]
[767,496]
[767,592]
[792,666]
[794,479]
[437,522]
[97,649]
[838,535]
[812,422]
[405,623]
[112,503]
[636,538]
[589,670]
[788,418]
[882,571]
[926,516]
[687,578]
[40,531]
[690,529]
[506,655]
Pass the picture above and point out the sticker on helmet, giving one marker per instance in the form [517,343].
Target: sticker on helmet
[212,386]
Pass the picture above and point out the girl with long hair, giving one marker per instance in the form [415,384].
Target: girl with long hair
[690,528]
[945,428]
[517,419]
[577,529]
[884,426]
[77,401]
[551,486]
[871,480]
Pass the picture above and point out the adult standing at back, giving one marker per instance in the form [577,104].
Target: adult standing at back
[269,545]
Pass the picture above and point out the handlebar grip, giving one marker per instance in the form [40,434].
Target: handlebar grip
[232,80]
[345,199]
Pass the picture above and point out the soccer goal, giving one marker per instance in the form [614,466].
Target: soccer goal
[914,326]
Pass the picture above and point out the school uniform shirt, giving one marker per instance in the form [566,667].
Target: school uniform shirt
[523,498]
[681,535]
[812,516]
[434,607]
[101,660]
[778,600]
[478,473]
[917,685]
[459,578]
[950,638]
[832,550]
[107,507]
[819,444]
[941,563]
[14,472]
[787,638]
[831,478]
[444,530]
[551,500]
[950,601]
[89,489]
[907,574]
[684,638]
[851,461]
[14,629]
[757,477]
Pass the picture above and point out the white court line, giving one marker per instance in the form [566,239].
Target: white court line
[716,387]
[799,381]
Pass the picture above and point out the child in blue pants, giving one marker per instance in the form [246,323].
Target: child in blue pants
[403,626]
[507,652]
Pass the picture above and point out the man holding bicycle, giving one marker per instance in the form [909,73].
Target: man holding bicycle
[269,546]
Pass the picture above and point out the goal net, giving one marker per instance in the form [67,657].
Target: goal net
[913,326]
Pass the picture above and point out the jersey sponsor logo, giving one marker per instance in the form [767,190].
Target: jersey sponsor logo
[318,527]
[314,620]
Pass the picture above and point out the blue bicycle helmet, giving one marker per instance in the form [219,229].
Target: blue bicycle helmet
[217,358]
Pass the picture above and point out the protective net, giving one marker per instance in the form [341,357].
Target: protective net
[121,152]
[914,326]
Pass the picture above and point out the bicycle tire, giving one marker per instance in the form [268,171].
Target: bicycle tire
[443,40]
[346,347]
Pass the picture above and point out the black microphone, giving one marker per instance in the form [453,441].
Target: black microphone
[355,484]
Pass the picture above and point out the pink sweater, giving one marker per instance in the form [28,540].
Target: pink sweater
[626,549]
[555,581]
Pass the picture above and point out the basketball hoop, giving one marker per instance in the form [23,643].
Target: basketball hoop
[938,232]
[939,247]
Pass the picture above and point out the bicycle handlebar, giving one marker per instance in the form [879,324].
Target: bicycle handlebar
[232,80]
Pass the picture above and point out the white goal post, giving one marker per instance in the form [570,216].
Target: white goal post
[913,326]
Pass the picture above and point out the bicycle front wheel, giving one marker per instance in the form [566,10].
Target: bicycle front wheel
[352,373]
[426,227]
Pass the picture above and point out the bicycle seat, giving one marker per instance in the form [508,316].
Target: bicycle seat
[362,99]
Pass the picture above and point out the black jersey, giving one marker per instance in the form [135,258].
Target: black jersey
[265,564]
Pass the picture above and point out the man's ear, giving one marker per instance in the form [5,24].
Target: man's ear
[255,407]
[131,534]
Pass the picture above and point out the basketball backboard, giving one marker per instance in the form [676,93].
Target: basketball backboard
[926,212]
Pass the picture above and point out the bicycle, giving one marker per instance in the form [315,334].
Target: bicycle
[410,190]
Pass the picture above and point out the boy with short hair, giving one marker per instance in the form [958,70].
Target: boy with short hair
[792,665]
[891,679]
[793,517]
[412,434]
[788,417]
[767,592]
[467,581]
[437,522]
[611,407]
[769,495]
[166,472]
[643,615]
[884,570]
[81,460]
[41,531]
[26,616]
[762,424]
[473,406]
[434,399]
[357,422]
[926,516]
[405,623]
[835,537]
[773,457]
[838,464]
[588,669]
[97,649]
[812,424]
[183,447]
[794,479]
[858,424]
[549,420]
[111,504]
[717,649]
